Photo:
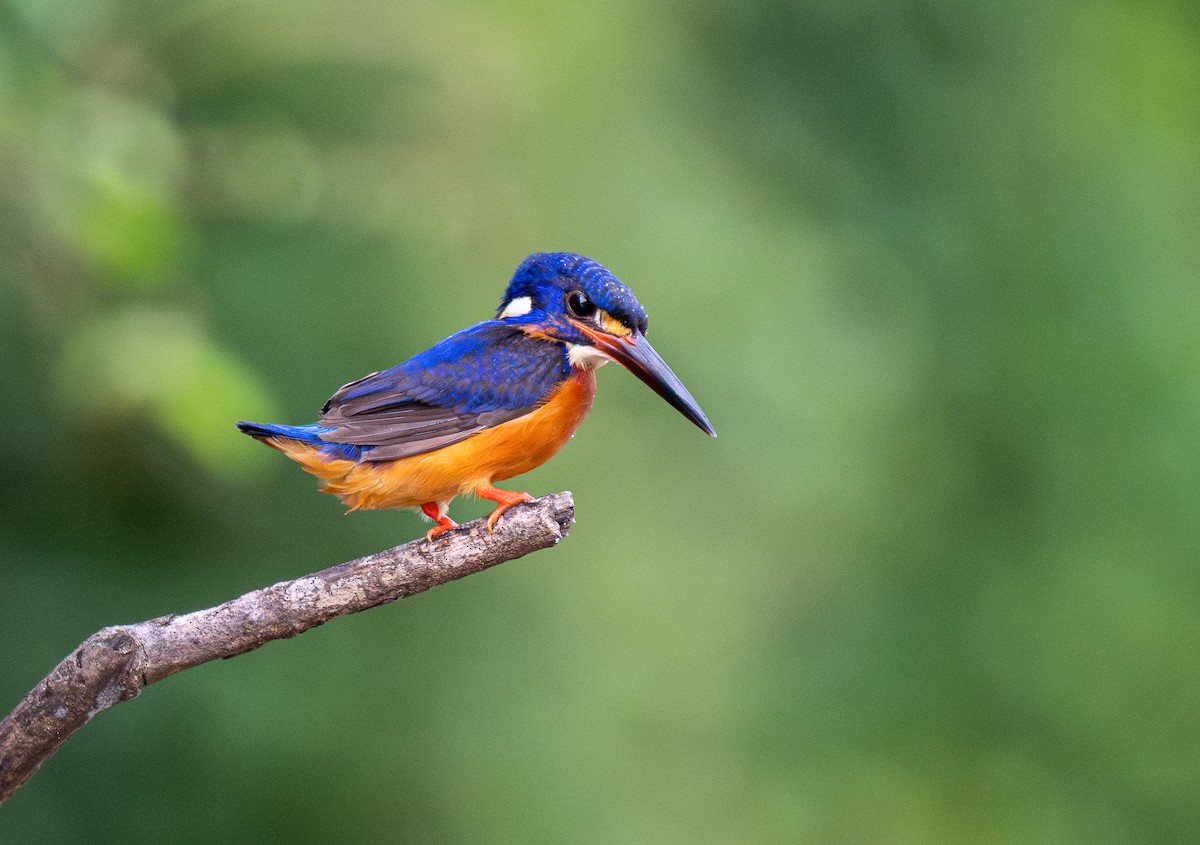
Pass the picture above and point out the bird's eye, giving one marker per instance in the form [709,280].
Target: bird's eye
[579,305]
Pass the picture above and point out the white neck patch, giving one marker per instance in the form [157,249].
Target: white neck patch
[586,357]
[518,307]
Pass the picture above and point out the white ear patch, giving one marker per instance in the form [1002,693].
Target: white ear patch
[586,357]
[517,307]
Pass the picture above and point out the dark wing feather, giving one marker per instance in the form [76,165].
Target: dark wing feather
[481,377]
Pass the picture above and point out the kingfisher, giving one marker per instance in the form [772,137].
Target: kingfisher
[486,404]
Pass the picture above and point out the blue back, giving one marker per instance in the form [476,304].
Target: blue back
[487,367]
[480,377]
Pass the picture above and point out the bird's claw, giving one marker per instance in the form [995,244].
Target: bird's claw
[508,502]
[444,523]
[437,531]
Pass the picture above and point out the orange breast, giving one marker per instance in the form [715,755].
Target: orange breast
[492,455]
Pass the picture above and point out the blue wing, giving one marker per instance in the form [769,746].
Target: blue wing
[478,378]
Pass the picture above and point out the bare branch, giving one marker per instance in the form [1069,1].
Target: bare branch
[114,664]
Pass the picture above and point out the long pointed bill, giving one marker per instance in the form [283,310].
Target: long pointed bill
[635,354]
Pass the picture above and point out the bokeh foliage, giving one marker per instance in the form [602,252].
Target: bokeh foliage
[930,267]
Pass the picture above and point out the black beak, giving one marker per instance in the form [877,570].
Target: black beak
[634,353]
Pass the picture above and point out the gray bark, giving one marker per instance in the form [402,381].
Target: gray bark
[115,663]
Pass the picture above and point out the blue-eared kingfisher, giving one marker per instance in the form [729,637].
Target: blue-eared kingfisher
[486,404]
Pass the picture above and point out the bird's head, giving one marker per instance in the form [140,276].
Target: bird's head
[574,300]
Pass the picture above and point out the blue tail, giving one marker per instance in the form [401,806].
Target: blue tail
[303,433]
[310,433]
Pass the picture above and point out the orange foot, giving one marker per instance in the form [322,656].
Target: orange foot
[504,500]
[444,523]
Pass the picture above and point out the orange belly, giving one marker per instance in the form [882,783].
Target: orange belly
[492,455]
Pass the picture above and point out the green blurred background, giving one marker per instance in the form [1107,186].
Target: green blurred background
[932,268]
